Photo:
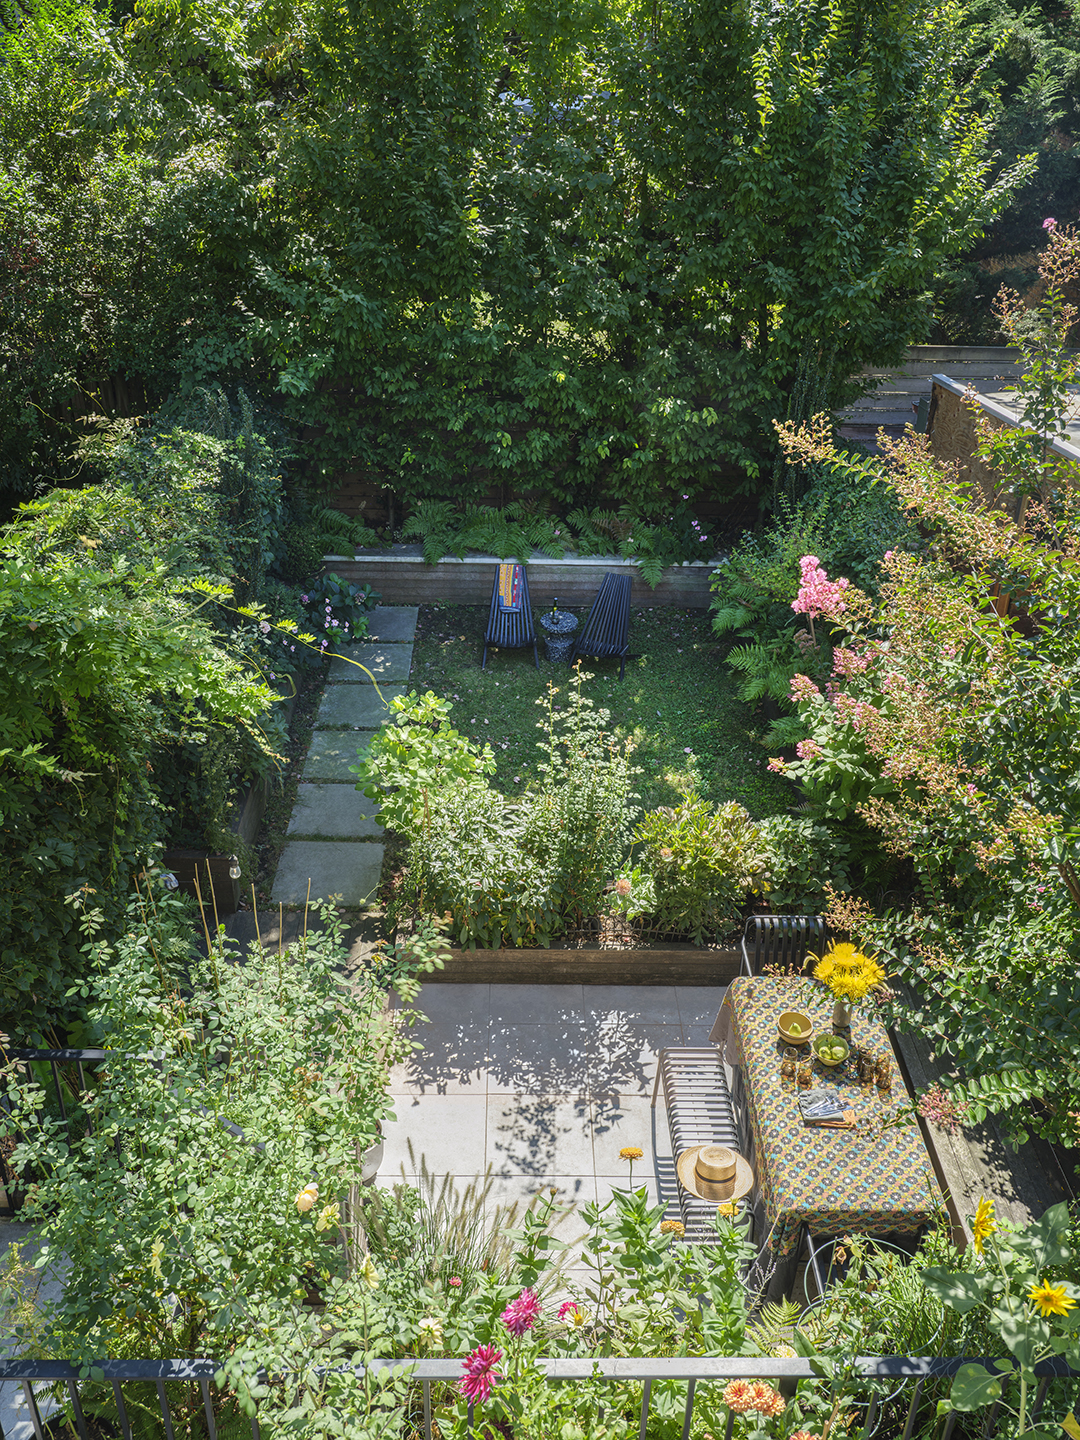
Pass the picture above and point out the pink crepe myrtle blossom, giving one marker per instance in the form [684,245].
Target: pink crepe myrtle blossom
[848,662]
[859,714]
[778,765]
[1049,223]
[803,688]
[523,1313]
[938,1106]
[479,1376]
[808,750]
[818,595]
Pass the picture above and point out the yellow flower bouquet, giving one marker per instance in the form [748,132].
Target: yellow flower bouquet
[849,975]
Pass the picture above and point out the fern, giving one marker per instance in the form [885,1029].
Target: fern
[334,525]
[652,569]
[433,521]
[774,1325]
[731,617]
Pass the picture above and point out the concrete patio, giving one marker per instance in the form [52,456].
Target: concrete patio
[544,1083]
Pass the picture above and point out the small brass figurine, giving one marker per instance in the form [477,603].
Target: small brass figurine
[883,1073]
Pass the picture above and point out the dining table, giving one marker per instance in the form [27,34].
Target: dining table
[875,1178]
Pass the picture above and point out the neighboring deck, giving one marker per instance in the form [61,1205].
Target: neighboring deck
[893,394]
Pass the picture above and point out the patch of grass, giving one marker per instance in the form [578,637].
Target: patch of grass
[678,701]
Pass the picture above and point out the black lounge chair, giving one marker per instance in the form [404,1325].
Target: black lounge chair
[510,624]
[607,629]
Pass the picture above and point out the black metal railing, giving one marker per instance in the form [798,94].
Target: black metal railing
[899,1371]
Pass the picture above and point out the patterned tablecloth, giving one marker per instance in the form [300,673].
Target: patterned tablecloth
[869,1180]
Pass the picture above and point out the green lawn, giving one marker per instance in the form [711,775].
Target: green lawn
[678,701]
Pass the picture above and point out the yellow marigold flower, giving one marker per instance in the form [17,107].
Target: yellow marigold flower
[726,1209]
[1051,1299]
[672,1227]
[984,1225]
[631,1152]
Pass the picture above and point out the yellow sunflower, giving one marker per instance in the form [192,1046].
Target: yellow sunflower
[984,1224]
[1051,1299]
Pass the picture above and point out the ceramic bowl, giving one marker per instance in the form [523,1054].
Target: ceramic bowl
[806,1028]
[834,1042]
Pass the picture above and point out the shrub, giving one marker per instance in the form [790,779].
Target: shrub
[805,857]
[848,524]
[137,697]
[337,611]
[104,670]
[175,1196]
[506,871]
[703,862]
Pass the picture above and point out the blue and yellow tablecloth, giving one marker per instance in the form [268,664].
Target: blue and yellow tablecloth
[868,1180]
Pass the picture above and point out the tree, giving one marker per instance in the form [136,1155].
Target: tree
[949,726]
[585,252]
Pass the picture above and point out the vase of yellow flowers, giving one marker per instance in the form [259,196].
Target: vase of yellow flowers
[849,976]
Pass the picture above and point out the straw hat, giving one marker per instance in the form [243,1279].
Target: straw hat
[713,1172]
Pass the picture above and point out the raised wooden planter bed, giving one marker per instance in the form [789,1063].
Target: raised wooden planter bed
[670,965]
[402,578]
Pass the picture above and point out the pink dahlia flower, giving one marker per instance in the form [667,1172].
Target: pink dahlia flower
[479,1376]
[523,1313]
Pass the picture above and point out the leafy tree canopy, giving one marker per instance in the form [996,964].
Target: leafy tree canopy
[583,250]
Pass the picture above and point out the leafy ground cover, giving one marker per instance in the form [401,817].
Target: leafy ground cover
[678,702]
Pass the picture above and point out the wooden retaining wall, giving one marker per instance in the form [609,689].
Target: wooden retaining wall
[673,965]
[404,579]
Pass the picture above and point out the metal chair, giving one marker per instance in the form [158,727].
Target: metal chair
[782,940]
[605,632]
[510,623]
[699,1112]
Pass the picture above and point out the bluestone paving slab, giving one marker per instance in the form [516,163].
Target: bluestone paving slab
[388,664]
[452,1062]
[699,1004]
[393,624]
[538,1004]
[656,1004]
[540,1135]
[620,1120]
[357,706]
[331,752]
[335,812]
[447,1132]
[350,870]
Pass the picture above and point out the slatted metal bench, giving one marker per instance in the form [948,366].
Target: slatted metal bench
[782,942]
[699,1112]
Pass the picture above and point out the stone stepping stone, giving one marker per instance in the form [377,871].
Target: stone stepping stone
[349,869]
[388,663]
[357,706]
[334,812]
[331,752]
[393,624]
